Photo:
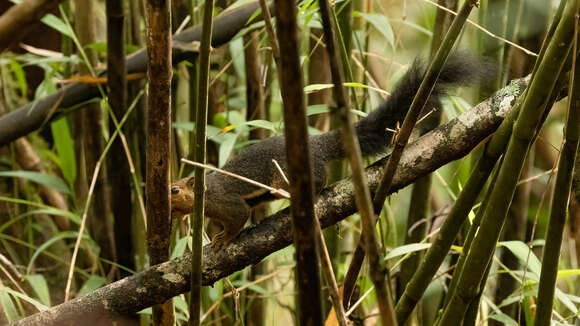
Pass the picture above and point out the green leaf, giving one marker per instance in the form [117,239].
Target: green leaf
[522,251]
[41,178]
[24,297]
[190,126]
[504,319]
[236,118]
[317,109]
[226,148]
[316,87]
[99,47]
[565,300]
[262,124]
[48,243]
[179,248]
[58,24]
[380,22]
[237,53]
[313,131]
[517,295]
[419,28]
[94,282]
[40,287]
[65,148]
[407,249]
[258,289]
[180,305]
[568,273]
[75,218]
[8,306]
[16,68]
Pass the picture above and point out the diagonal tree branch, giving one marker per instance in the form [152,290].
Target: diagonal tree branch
[159,283]
[30,117]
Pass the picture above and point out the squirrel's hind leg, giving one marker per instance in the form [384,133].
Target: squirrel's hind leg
[231,212]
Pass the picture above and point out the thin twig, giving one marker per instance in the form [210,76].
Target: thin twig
[359,301]
[280,170]
[81,231]
[270,31]
[280,192]
[483,29]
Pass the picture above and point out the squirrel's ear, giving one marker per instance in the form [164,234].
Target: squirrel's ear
[190,182]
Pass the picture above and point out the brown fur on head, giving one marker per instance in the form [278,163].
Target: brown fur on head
[181,197]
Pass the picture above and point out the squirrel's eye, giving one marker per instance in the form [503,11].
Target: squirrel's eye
[174,190]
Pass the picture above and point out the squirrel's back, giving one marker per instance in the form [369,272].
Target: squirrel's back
[373,136]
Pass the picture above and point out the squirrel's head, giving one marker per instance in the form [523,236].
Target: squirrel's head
[181,197]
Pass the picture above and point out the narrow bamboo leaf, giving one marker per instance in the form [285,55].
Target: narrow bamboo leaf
[40,178]
[190,126]
[226,148]
[65,149]
[179,248]
[237,53]
[56,212]
[258,289]
[24,297]
[8,306]
[504,319]
[417,27]
[568,273]
[146,311]
[38,284]
[48,243]
[406,249]
[574,298]
[58,24]
[522,251]
[18,72]
[99,47]
[316,87]
[180,305]
[265,124]
[565,300]
[317,109]
[94,282]
[313,131]
[253,16]
[516,296]
[380,22]
[262,124]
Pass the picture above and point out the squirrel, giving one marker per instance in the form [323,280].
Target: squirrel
[229,200]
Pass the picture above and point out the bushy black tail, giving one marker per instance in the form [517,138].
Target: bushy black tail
[460,69]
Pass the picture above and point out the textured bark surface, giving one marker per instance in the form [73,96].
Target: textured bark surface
[299,165]
[159,142]
[119,175]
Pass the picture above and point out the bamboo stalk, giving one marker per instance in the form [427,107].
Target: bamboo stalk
[196,219]
[524,130]
[561,197]
[362,192]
